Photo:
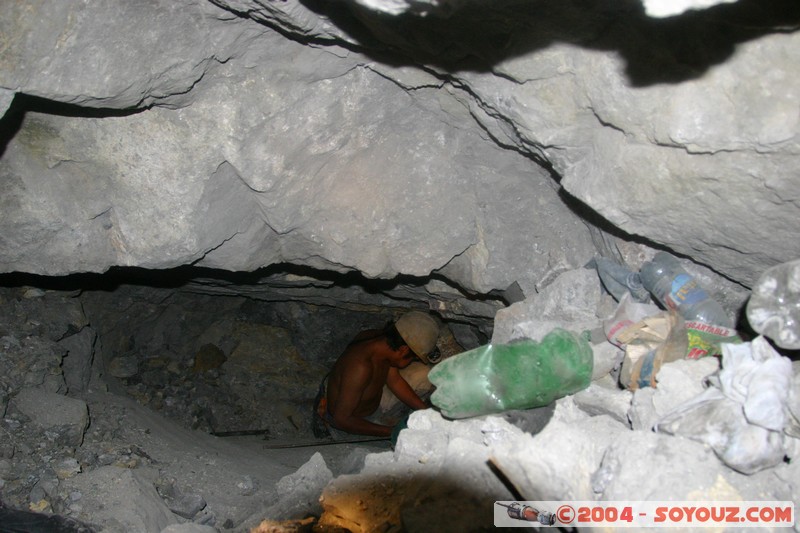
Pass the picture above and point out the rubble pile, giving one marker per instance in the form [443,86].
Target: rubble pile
[598,443]
[76,457]
[719,421]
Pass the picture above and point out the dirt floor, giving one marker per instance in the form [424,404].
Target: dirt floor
[137,471]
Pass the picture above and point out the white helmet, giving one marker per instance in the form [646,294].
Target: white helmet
[420,331]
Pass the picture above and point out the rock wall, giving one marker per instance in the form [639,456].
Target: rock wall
[337,138]
[372,154]
[284,153]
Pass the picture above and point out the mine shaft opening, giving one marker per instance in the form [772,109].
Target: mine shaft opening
[230,353]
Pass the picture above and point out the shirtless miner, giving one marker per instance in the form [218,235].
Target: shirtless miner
[350,395]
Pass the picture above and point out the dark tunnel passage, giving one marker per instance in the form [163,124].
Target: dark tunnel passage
[217,351]
[232,357]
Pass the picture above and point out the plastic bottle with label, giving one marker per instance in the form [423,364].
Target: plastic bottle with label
[676,289]
[519,375]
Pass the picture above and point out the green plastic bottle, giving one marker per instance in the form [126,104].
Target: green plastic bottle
[519,375]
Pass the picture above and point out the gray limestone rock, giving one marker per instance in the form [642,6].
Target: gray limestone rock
[607,357]
[372,180]
[67,417]
[642,413]
[173,133]
[605,399]
[6,97]
[125,366]
[299,492]
[67,468]
[55,315]
[571,301]
[678,382]
[558,462]
[77,362]
[530,420]
[121,499]
[31,361]
[93,55]
[691,151]
[701,166]
[189,528]
[695,146]
[651,466]
[183,503]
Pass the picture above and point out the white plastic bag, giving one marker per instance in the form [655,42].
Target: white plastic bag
[744,414]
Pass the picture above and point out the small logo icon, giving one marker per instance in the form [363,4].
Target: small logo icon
[565,514]
[517,511]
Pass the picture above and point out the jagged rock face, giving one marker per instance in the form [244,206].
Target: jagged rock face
[286,154]
[260,150]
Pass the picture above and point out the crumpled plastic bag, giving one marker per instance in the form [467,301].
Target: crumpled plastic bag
[651,338]
[625,315]
[744,414]
[650,343]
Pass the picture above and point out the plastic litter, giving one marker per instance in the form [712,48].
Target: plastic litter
[661,338]
[706,339]
[649,344]
[676,289]
[743,414]
[519,375]
[774,306]
[626,314]
[619,280]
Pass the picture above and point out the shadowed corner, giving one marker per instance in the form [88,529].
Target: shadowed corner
[413,501]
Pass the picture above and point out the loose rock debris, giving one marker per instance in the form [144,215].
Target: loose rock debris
[592,445]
